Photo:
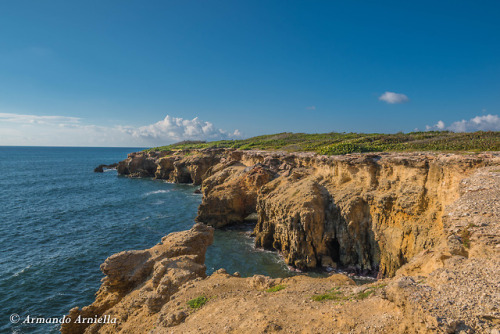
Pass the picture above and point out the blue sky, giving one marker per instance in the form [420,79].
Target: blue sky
[98,73]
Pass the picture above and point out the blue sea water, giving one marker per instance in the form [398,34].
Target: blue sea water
[59,221]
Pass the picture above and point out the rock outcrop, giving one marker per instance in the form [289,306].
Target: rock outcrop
[100,168]
[139,283]
[181,167]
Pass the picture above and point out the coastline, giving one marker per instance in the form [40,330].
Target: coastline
[433,187]
[309,206]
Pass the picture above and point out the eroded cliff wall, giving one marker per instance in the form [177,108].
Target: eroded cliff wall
[366,212]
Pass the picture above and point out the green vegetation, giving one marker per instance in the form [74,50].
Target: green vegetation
[343,143]
[276,288]
[337,295]
[465,235]
[197,302]
[333,294]
[364,294]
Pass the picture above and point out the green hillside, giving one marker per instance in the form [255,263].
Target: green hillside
[343,143]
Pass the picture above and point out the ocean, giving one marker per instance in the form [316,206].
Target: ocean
[59,221]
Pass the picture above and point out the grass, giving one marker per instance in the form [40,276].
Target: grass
[276,288]
[337,295]
[335,143]
[365,294]
[333,294]
[197,302]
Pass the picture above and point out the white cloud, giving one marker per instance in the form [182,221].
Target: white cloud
[173,128]
[19,118]
[478,123]
[19,129]
[311,108]
[393,98]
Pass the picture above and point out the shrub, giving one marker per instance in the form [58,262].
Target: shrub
[197,302]
[465,236]
[342,148]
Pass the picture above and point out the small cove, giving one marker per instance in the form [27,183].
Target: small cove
[60,221]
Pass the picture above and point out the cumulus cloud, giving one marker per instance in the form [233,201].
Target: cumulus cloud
[440,125]
[478,123]
[393,98]
[173,128]
[19,129]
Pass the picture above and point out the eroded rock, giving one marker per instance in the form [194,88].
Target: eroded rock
[435,221]
[139,283]
[365,212]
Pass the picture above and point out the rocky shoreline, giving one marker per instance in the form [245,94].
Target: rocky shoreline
[365,212]
[427,223]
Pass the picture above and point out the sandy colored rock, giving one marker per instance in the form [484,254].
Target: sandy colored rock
[429,220]
[229,196]
[138,283]
[367,212]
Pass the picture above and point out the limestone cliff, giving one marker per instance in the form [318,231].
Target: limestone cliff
[451,286]
[366,212]
[181,167]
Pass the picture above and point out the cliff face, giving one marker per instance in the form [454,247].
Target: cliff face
[365,212]
[185,167]
[370,212]
[432,221]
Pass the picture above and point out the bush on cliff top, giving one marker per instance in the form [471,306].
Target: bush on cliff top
[343,143]
[197,302]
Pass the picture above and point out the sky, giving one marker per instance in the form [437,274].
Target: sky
[149,73]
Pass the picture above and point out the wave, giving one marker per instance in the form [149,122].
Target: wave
[17,273]
[155,192]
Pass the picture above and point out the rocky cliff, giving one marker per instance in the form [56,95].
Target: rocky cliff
[444,209]
[365,212]
[138,283]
